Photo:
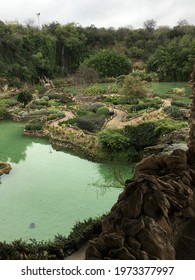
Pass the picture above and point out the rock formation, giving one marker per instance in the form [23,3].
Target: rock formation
[4,168]
[154,217]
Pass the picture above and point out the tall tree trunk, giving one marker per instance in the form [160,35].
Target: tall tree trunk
[63,60]
[191,142]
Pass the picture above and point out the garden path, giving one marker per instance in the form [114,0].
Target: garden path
[68,115]
[119,120]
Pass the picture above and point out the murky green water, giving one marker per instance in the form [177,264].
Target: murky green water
[164,87]
[49,189]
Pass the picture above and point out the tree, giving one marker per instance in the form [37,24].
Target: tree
[24,97]
[150,24]
[86,75]
[134,89]
[71,46]
[174,61]
[109,63]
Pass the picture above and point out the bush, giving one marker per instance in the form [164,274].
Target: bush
[82,112]
[3,112]
[95,106]
[174,112]
[166,126]
[40,112]
[112,99]
[133,89]
[52,117]
[91,123]
[179,104]
[24,97]
[103,111]
[72,121]
[39,88]
[33,125]
[94,89]
[113,140]
[42,102]
[148,103]
[54,95]
[149,77]
[60,114]
[142,135]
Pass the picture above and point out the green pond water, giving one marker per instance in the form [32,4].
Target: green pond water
[164,87]
[50,189]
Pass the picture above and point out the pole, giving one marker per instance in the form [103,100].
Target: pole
[38,16]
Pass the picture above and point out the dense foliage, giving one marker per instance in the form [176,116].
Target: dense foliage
[133,89]
[108,63]
[28,53]
[57,249]
[91,123]
[24,97]
[134,138]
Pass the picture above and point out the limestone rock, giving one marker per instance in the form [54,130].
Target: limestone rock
[5,168]
[154,217]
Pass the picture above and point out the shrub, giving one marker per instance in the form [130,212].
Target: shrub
[72,121]
[148,103]
[52,117]
[174,112]
[103,111]
[91,123]
[40,112]
[24,97]
[25,114]
[39,88]
[33,125]
[54,95]
[3,111]
[113,140]
[41,102]
[82,112]
[168,125]
[95,106]
[142,135]
[60,114]
[179,104]
[133,89]
[12,102]
[143,75]
[112,99]
[94,89]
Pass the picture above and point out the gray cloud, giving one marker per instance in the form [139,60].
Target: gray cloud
[115,13]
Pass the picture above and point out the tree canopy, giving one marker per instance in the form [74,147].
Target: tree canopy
[28,53]
[109,63]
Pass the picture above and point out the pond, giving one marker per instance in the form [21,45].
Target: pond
[164,87]
[48,191]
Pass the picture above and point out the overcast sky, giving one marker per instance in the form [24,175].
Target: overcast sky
[101,13]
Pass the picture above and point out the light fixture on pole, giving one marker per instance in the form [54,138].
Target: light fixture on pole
[38,15]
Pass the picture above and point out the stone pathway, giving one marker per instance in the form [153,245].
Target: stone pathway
[119,120]
[68,115]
